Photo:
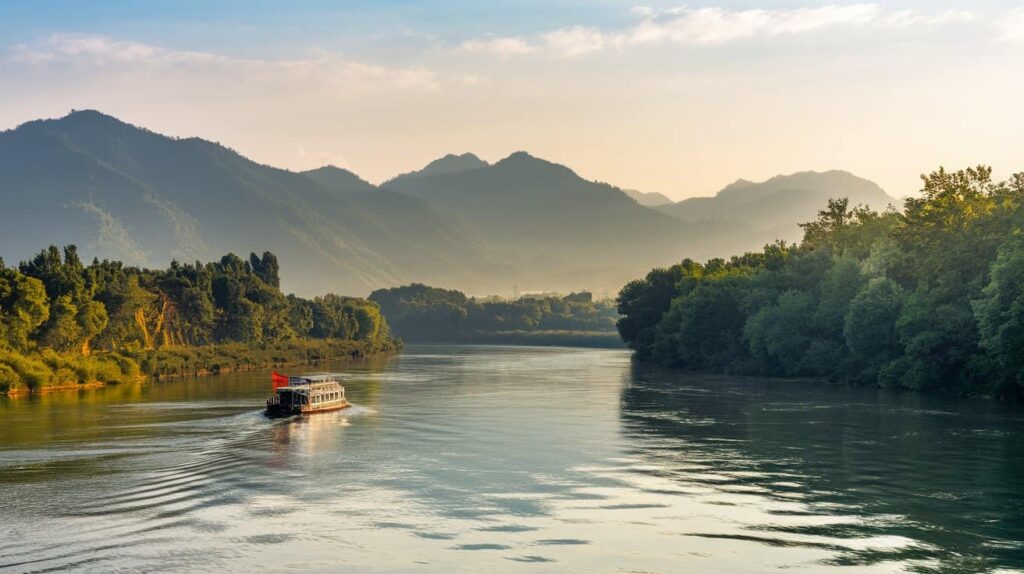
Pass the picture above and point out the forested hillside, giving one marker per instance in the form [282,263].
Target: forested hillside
[419,313]
[62,321]
[930,298]
[124,193]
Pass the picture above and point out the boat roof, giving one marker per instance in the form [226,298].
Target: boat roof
[315,377]
[305,387]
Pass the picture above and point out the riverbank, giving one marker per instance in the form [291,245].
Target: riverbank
[547,338]
[48,371]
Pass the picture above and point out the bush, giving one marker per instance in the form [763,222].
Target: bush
[10,380]
[32,372]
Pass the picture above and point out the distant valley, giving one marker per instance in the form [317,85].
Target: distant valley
[122,192]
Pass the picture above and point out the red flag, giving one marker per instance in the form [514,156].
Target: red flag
[278,379]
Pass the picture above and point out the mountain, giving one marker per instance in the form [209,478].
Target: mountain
[340,180]
[773,208]
[556,227]
[448,164]
[123,192]
[648,198]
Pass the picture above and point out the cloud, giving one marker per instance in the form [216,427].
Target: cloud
[912,18]
[713,26]
[323,69]
[504,47]
[1011,27]
[103,50]
[575,41]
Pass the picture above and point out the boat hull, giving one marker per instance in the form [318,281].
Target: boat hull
[279,410]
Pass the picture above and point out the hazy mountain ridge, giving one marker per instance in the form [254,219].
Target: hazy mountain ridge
[648,198]
[773,208]
[119,190]
[448,164]
[123,192]
[561,226]
[339,179]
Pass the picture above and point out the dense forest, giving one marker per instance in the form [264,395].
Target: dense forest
[421,313]
[927,298]
[63,322]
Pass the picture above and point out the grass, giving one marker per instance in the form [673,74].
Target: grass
[45,369]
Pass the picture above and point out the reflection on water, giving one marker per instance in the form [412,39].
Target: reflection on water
[460,459]
[873,478]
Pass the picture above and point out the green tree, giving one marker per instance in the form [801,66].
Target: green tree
[24,306]
[643,302]
[1000,315]
[870,327]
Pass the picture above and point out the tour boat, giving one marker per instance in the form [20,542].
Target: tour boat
[305,394]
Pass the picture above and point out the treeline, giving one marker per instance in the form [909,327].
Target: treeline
[63,322]
[421,313]
[930,298]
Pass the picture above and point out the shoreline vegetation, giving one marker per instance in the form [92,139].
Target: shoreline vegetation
[65,325]
[102,369]
[422,314]
[930,298]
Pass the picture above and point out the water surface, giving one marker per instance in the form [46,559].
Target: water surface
[511,459]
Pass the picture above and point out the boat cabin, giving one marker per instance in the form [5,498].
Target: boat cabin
[307,394]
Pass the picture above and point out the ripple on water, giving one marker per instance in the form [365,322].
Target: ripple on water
[574,457]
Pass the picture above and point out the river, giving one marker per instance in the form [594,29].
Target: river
[512,459]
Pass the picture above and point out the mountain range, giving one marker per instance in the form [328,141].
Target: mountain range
[773,209]
[123,192]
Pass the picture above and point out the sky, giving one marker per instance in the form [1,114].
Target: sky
[678,98]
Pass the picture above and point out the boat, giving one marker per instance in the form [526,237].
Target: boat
[305,394]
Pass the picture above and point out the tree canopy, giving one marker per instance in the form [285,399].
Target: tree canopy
[53,305]
[929,298]
[430,314]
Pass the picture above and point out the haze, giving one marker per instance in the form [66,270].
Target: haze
[670,98]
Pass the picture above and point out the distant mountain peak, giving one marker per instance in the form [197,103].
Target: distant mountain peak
[78,119]
[462,157]
[835,182]
[338,179]
[452,163]
[331,168]
[524,164]
[774,207]
[448,164]
[648,198]
[88,113]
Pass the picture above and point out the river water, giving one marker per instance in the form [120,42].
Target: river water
[512,459]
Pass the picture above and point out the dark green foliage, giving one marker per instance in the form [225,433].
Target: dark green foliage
[1000,314]
[66,323]
[870,328]
[642,304]
[928,299]
[430,314]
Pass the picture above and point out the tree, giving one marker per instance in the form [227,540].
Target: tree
[266,268]
[870,327]
[643,302]
[1000,315]
[23,307]
[780,334]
